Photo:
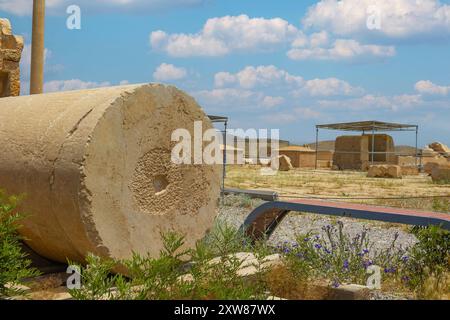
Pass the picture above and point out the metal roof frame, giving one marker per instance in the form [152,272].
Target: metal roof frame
[216,119]
[368,126]
[363,126]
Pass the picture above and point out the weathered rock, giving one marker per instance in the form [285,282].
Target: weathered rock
[284,163]
[350,292]
[97,172]
[427,151]
[429,166]
[406,161]
[440,148]
[11,47]
[249,264]
[385,171]
[410,171]
[441,174]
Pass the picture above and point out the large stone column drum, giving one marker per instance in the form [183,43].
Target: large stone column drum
[95,167]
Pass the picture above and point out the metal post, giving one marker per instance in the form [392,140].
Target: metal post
[373,144]
[317,146]
[417,149]
[37,48]
[224,158]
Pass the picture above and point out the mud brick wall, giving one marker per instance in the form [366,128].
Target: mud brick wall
[382,143]
[351,152]
[300,159]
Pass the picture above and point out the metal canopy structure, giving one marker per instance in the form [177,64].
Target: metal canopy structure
[224,120]
[215,119]
[366,127]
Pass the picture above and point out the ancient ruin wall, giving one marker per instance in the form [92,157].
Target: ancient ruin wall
[11,47]
[382,143]
[95,167]
[351,152]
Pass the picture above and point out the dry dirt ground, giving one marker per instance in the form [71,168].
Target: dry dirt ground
[345,186]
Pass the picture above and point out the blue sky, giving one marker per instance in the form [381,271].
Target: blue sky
[266,64]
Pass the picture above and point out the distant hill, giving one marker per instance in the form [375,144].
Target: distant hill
[404,149]
[323,145]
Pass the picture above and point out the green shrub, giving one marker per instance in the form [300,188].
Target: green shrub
[335,257]
[161,278]
[14,266]
[429,257]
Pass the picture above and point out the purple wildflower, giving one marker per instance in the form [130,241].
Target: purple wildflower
[346,264]
[389,270]
[336,283]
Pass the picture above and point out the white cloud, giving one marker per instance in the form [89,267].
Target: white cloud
[399,19]
[261,76]
[341,49]
[372,102]
[279,118]
[307,113]
[237,98]
[73,84]
[223,35]
[273,78]
[293,115]
[168,72]
[228,98]
[230,34]
[429,88]
[69,85]
[270,102]
[24,7]
[328,87]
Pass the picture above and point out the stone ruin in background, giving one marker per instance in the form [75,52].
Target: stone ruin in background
[11,47]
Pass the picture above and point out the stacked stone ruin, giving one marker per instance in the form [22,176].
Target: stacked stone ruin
[436,161]
[11,47]
[354,152]
[351,152]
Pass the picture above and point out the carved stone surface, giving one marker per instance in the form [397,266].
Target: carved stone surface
[11,47]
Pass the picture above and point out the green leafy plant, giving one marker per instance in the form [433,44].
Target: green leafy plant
[430,257]
[210,270]
[14,265]
[170,277]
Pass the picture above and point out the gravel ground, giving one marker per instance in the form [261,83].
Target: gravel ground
[381,234]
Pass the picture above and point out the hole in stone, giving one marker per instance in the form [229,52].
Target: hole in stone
[160,183]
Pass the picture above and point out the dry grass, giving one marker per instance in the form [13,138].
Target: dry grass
[348,184]
[436,288]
